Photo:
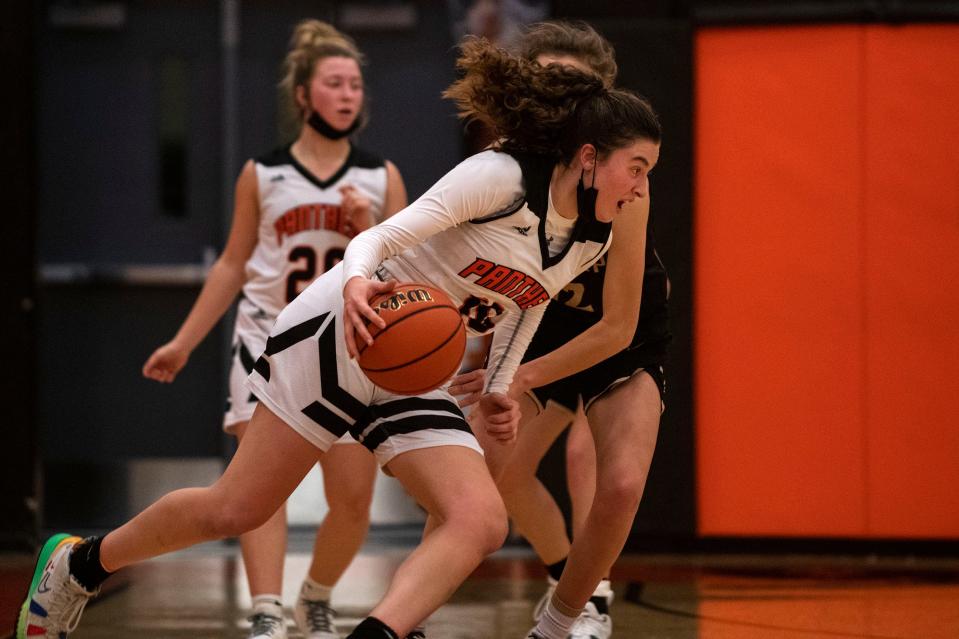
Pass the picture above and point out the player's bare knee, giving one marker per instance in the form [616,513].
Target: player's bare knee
[622,491]
[483,519]
[231,518]
[500,524]
[352,502]
[497,529]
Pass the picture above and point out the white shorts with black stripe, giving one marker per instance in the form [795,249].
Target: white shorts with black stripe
[306,377]
[249,340]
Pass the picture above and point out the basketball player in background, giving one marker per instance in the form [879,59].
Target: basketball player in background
[571,155]
[296,208]
[613,324]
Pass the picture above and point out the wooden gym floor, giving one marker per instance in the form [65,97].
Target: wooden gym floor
[201,593]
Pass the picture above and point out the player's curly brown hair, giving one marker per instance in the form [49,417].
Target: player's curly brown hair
[551,110]
[571,38]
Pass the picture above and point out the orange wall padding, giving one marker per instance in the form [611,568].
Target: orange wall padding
[814,273]
[912,280]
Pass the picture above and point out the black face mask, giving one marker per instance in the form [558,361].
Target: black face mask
[323,127]
[586,197]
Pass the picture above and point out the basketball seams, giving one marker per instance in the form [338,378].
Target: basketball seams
[404,355]
[456,330]
[399,321]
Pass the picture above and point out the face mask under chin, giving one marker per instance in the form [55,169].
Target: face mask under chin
[586,197]
[324,128]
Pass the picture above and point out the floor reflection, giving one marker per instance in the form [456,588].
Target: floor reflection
[202,593]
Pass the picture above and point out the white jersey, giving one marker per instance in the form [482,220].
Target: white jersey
[300,218]
[479,234]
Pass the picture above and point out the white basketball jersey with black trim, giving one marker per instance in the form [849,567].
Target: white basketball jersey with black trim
[300,218]
[479,234]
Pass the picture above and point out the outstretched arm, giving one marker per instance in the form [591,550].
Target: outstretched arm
[223,283]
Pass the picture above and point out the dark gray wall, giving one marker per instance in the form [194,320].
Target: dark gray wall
[100,97]
[99,123]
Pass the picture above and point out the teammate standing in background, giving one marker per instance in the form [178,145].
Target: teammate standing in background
[614,322]
[501,233]
[296,208]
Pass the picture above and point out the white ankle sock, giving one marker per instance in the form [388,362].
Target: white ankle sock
[268,604]
[313,591]
[554,624]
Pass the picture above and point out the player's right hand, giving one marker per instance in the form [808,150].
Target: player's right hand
[500,416]
[165,362]
[357,294]
[357,211]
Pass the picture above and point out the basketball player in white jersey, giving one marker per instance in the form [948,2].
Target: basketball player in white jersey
[296,209]
[501,233]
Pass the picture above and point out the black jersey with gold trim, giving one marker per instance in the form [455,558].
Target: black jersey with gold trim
[584,297]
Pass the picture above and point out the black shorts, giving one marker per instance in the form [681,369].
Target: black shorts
[594,382]
[589,385]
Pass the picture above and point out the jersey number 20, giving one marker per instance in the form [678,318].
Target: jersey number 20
[301,277]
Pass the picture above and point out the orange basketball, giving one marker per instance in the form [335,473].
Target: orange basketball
[422,344]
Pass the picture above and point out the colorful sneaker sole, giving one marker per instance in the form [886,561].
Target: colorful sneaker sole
[24,630]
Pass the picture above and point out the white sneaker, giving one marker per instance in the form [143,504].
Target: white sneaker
[315,619]
[541,604]
[55,600]
[591,624]
[264,626]
[605,590]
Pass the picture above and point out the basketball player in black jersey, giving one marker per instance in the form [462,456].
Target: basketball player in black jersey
[600,349]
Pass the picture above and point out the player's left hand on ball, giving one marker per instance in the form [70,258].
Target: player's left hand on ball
[357,294]
[467,388]
[500,416]
[357,211]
